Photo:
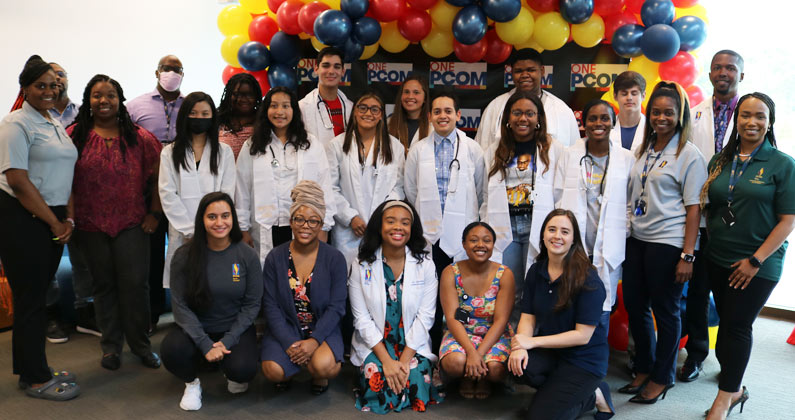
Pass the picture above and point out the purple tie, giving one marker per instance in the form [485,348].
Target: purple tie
[721,123]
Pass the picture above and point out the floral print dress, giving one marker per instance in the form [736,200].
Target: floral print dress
[481,318]
[301,299]
[423,385]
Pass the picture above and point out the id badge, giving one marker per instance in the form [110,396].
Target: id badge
[727,216]
[640,207]
[533,197]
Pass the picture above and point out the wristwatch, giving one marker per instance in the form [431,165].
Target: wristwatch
[688,258]
[754,261]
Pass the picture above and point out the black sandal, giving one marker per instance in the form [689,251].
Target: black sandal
[281,386]
[318,389]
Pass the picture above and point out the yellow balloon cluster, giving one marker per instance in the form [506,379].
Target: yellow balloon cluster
[255,7]
[438,43]
[516,31]
[391,39]
[589,33]
[551,31]
[234,20]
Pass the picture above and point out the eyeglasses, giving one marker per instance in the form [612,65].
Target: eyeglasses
[61,74]
[362,108]
[167,68]
[312,223]
[518,114]
[244,95]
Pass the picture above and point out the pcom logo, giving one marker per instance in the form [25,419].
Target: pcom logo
[546,80]
[392,73]
[470,120]
[599,76]
[306,72]
[460,75]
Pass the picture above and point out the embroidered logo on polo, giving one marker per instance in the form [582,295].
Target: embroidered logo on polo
[662,164]
[235,272]
[758,179]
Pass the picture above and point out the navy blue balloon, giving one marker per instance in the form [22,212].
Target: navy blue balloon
[354,8]
[285,48]
[469,25]
[353,50]
[576,11]
[659,42]
[626,40]
[461,3]
[366,31]
[502,10]
[657,11]
[332,27]
[282,75]
[692,32]
[253,56]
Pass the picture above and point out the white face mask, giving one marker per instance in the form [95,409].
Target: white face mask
[170,81]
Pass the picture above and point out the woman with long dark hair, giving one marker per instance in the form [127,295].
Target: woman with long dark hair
[366,166]
[195,164]
[216,290]
[275,159]
[750,213]
[560,347]
[118,159]
[409,120]
[393,289]
[37,160]
[237,111]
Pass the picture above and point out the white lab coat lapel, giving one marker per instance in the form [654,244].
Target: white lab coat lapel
[703,134]
[497,208]
[456,207]
[615,134]
[544,201]
[265,211]
[429,206]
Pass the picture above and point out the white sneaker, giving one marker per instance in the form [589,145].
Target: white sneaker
[192,398]
[236,387]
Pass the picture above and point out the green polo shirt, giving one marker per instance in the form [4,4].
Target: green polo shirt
[765,190]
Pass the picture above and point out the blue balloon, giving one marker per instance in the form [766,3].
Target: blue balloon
[354,8]
[502,10]
[657,11]
[353,50]
[366,31]
[253,56]
[282,75]
[469,25]
[692,32]
[285,48]
[576,11]
[626,40]
[332,27]
[659,42]
[461,3]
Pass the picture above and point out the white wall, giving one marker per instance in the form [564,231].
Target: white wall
[123,39]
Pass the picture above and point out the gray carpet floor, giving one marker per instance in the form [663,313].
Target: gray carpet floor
[141,393]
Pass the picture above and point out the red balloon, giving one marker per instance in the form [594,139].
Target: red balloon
[287,16]
[414,24]
[618,336]
[262,28]
[684,3]
[262,79]
[544,5]
[387,10]
[683,342]
[308,14]
[497,51]
[274,5]
[422,4]
[681,69]
[633,6]
[230,71]
[616,21]
[695,94]
[607,7]
[470,53]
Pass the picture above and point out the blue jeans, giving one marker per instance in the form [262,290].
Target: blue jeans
[515,258]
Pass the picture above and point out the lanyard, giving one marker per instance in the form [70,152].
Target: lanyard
[647,169]
[168,119]
[734,179]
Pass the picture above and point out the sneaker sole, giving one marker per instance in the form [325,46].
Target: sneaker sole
[88,331]
[57,340]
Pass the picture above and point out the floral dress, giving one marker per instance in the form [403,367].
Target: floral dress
[301,299]
[481,318]
[423,385]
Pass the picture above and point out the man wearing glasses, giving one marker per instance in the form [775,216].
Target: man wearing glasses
[64,110]
[325,110]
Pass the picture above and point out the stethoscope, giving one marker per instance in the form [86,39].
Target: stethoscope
[453,184]
[586,171]
[275,162]
[330,123]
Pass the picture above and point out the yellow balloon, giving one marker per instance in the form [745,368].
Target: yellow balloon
[696,10]
[369,51]
[518,30]
[551,31]
[442,15]
[234,20]
[317,45]
[334,4]
[304,35]
[534,12]
[647,68]
[391,39]
[589,33]
[530,43]
[229,48]
[255,7]
[438,43]
[649,88]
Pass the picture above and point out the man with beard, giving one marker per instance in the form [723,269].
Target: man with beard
[65,110]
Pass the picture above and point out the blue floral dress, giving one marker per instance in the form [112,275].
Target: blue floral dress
[423,387]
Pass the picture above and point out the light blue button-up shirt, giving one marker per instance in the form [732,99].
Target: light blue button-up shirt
[67,116]
[444,150]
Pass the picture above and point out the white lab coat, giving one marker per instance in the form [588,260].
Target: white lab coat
[316,117]
[611,233]
[637,141]
[350,199]
[495,209]
[255,196]
[180,193]
[461,206]
[368,303]
[561,123]
[703,129]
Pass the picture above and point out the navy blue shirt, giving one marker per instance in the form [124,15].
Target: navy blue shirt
[627,136]
[539,299]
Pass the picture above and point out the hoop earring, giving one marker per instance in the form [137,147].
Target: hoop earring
[538,125]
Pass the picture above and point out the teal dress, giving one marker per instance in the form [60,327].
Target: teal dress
[423,386]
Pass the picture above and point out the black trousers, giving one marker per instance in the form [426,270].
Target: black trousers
[182,358]
[30,258]
[650,285]
[697,310]
[441,260]
[564,390]
[738,310]
[157,263]
[120,268]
